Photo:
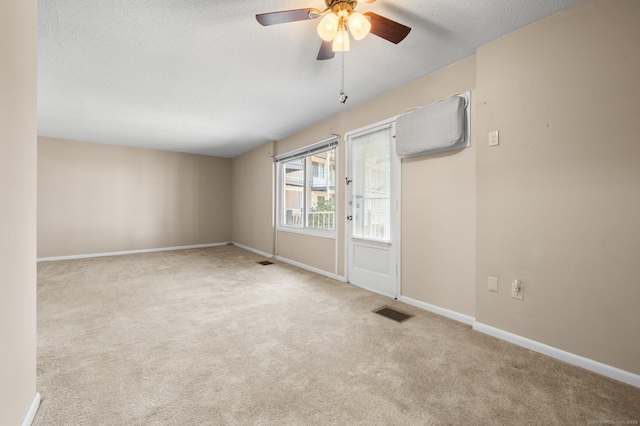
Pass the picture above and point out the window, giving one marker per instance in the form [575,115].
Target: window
[307,190]
[371,169]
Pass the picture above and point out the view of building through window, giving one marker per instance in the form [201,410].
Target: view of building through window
[309,191]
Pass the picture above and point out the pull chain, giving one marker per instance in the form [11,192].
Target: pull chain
[343,97]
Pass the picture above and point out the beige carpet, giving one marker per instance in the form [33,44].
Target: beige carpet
[210,337]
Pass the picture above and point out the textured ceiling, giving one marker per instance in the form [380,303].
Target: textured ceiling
[202,76]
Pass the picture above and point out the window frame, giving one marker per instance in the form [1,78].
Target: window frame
[305,152]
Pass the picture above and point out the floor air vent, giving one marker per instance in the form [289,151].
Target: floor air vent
[265,262]
[386,311]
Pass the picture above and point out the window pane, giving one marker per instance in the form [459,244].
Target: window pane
[293,193]
[307,188]
[372,186]
[321,190]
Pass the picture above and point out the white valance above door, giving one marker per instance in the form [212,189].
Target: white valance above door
[441,126]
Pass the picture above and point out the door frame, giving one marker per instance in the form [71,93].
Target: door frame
[396,199]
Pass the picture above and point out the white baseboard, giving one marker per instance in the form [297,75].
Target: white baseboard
[294,263]
[438,310]
[311,269]
[586,363]
[119,253]
[261,253]
[33,409]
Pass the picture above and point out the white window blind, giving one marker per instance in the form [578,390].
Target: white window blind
[308,150]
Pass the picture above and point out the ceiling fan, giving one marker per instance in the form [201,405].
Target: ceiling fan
[339,16]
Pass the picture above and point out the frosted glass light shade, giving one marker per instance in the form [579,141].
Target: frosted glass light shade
[341,41]
[359,25]
[328,26]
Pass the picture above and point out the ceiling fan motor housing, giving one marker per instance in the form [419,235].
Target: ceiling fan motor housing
[332,3]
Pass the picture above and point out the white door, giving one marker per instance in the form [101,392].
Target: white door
[373,209]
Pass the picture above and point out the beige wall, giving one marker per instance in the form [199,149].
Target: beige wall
[559,198]
[309,250]
[18,124]
[439,208]
[253,209]
[96,198]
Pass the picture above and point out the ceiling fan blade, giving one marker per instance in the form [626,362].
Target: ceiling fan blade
[326,51]
[365,1]
[285,16]
[386,28]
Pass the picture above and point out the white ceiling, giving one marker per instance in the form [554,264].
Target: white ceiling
[202,76]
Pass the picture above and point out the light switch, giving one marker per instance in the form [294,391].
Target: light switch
[494,139]
[492,284]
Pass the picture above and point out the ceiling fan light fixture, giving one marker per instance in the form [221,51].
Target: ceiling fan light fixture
[328,26]
[341,41]
[359,25]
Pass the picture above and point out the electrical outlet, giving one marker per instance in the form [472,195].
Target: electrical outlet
[517,290]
